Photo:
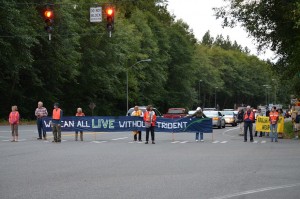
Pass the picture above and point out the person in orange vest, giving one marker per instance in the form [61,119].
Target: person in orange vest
[79,114]
[249,118]
[273,118]
[56,119]
[137,113]
[150,119]
[14,118]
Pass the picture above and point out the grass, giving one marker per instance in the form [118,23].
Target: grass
[288,130]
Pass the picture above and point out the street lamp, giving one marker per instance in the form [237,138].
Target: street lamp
[216,97]
[199,91]
[144,60]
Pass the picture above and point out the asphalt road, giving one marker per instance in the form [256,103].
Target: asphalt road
[110,165]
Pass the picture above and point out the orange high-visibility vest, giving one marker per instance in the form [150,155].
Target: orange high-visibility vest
[56,114]
[14,117]
[80,114]
[273,117]
[251,116]
[148,119]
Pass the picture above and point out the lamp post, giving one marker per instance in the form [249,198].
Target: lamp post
[144,60]
[199,91]
[216,97]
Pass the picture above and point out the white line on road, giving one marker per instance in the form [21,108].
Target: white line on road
[184,142]
[225,132]
[224,142]
[123,138]
[175,142]
[255,142]
[215,142]
[98,142]
[263,142]
[257,191]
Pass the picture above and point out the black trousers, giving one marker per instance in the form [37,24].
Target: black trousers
[140,136]
[151,128]
[246,126]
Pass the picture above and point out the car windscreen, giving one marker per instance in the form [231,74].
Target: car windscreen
[175,111]
[211,114]
[227,113]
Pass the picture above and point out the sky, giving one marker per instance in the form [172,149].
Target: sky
[198,14]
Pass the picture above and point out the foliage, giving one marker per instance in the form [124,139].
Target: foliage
[82,64]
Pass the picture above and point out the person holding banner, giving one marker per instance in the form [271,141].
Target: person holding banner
[249,118]
[150,119]
[199,114]
[40,113]
[56,119]
[297,126]
[273,118]
[259,113]
[79,114]
[137,113]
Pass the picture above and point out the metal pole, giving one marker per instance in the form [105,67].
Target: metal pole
[127,88]
[215,97]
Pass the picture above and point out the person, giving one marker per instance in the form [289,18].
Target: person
[240,120]
[249,118]
[199,114]
[56,119]
[259,113]
[14,119]
[79,114]
[273,118]
[297,125]
[137,113]
[40,113]
[267,115]
[150,119]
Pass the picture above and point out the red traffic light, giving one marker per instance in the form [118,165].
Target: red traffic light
[109,12]
[48,14]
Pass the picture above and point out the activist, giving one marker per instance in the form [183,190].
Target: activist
[14,118]
[41,112]
[273,118]
[240,120]
[249,118]
[79,114]
[56,119]
[297,126]
[150,119]
[259,113]
[199,114]
[137,113]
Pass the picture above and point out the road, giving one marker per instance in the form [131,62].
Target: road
[110,165]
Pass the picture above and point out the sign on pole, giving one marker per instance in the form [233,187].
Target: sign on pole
[96,14]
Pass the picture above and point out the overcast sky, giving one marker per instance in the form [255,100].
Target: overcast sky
[198,14]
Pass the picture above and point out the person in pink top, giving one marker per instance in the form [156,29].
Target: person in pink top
[14,118]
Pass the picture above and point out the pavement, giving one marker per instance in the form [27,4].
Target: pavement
[111,165]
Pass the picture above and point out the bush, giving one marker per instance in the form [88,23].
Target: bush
[288,130]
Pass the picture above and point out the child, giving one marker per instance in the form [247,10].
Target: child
[13,119]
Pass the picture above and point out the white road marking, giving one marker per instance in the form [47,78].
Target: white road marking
[175,142]
[224,142]
[255,142]
[98,142]
[225,132]
[5,140]
[123,138]
[184,142]
[215,142]
[257,191]
[263,142]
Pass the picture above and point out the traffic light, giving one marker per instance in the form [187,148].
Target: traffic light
[110,13]
[49,15]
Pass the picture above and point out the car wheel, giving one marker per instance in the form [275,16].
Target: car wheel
[224,125]
[220,126]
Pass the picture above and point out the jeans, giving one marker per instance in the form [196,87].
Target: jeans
[246,126]
[197,136]
[40,128]
[273,132]
[151,128]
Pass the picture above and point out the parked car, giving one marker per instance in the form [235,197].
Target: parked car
[175,113]
[217,118]
[143,108]
[230,117]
